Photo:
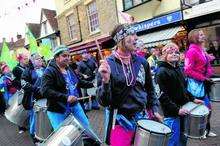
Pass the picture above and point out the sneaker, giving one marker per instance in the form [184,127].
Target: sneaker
[204,136]
[21,131]
[211,134]
[87,106]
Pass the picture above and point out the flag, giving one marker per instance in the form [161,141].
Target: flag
[33,48]
[45,49]
[7,57]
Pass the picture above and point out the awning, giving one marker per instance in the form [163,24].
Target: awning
[160,37]
[91,45]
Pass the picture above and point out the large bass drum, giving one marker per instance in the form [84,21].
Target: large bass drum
[42,123]
[151,133]
[195,122]
[16,112]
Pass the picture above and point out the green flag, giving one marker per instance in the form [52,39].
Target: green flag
[33,48]
[7,57]
[45,50]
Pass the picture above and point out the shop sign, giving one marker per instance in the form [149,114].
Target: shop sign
[160,21]
[202,9]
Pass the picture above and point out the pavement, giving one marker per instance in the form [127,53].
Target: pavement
[9,135]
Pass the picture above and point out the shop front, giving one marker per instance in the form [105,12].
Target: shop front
[206,16]
[162,30]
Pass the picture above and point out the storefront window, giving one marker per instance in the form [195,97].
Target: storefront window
[213,42]
[131,3]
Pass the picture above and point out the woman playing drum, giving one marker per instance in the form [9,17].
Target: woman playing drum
[172,85]
[125,88]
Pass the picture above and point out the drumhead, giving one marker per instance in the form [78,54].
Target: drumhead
[189,106]
[216,79]
[200,110]
[41,103]
[154,126]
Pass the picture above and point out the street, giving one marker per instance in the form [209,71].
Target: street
[9,135]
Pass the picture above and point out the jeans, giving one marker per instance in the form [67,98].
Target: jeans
[177,138]
[57,118]
[32,122]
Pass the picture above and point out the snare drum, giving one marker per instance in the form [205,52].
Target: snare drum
[42,123]
[215,90]
[69,134]
[151,133]
[195,122]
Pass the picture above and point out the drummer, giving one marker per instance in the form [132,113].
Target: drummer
[172,85]
[61,87]
[30,82]
[125,88]
[23,59]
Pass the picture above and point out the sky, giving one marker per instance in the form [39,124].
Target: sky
[15,13]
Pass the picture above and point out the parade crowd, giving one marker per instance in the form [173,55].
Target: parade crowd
[130,85]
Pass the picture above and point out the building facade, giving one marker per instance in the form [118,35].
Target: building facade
[81,22]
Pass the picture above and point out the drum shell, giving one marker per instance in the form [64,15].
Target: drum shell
[215,90]
[42,123]
[195,126]
[146,138]
[16,112]
[69,129]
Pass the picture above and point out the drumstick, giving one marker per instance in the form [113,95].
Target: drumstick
[99,49]
[86,97]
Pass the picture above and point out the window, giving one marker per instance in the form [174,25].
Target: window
[131,3]
[45,27]
[66,1]
[71,26]
[93,17]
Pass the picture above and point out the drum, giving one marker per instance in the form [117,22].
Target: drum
[69,134]
[215,90]
[42,124]
[15,97]
[16,112]
[151,133]
[195,122]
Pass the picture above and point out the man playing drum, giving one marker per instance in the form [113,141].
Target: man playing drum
[60,86]
[125,88]
[172,85]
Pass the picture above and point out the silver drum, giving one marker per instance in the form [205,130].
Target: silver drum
[42,124]
[69,134]
[195,122]
[16,112]
[215,90]
[151,133]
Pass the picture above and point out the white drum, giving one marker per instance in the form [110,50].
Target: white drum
[195,122]
[215,90]
[151,133]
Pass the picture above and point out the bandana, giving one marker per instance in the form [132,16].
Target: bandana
[124,32]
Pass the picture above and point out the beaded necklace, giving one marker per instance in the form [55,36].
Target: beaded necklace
[129,68]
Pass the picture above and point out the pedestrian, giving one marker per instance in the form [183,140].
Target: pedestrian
[87,68]
[170,77]
[60,86]
[6,82]
[153,59]
[125,88]
[198,71]
[30,81]
[17,71]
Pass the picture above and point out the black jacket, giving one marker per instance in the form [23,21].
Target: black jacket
[31,86]
[88,68]
[17,72]
[54,88]
[139,96]
[173,89]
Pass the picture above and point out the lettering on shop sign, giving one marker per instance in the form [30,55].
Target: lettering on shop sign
[160,21]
